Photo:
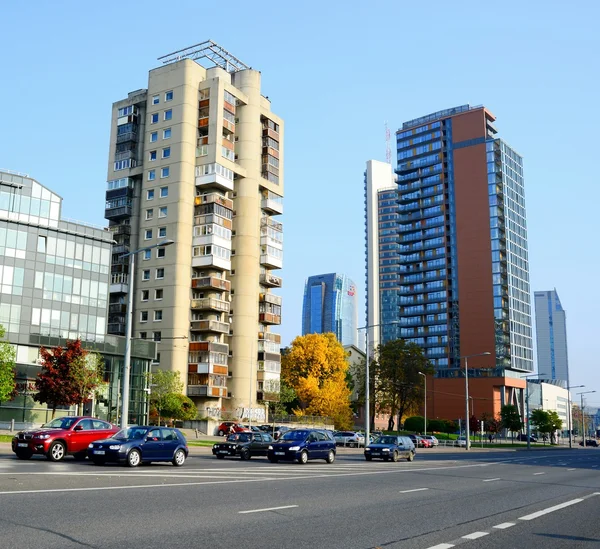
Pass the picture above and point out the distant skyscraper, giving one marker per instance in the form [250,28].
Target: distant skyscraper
[330,305]
[454,276]
[551,336]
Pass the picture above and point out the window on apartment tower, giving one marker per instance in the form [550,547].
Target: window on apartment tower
[155,99]
[148,234]
[168,115]
[150,194]
[154,118]
[167,133]
[162,232]
[158,316]
[153,137]
[158,294]
[164,192]
[160,252]
[144,316]
[169,95]
[145,295]
[157,336]
[146,274]
[166,152]
[152,156]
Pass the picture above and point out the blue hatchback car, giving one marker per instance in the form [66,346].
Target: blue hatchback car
[302,445]
[135,445]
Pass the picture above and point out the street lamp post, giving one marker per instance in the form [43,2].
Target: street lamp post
[467,434]
[527,407]
[569,415]
[367,378]
[128,328]
[425,418]
[583,416]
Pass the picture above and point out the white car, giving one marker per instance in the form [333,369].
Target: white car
[349,438]
[432,439]
[461,441]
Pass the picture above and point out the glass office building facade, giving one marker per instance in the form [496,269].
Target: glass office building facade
[54,286]
[330,305]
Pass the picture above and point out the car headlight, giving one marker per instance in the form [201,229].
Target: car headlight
[91,445]
[367,449]
[294,448]
[43,437]
[114,447]
[385,450]
[270,447]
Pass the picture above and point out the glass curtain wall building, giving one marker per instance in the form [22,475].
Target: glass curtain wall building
[463,259]
[551,336]
[330,305]
[54,286]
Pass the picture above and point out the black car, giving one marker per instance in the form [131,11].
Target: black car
[391,447]
[244,445]
[302,445]
[590,442]
[135,445]
[523,437]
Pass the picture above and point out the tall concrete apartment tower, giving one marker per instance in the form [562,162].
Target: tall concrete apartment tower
[462,272]
[197,158]
[551,336]
[381,239]
[330,305]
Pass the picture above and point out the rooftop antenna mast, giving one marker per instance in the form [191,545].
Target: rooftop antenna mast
[388,150]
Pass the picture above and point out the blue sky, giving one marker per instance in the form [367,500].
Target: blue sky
[335,71]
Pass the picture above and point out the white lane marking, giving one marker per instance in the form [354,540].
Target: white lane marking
[538,474]
[268,509]
[441,546]
[504,525]
[571,469]
[551,509]
[475,535]
[413,490]
[594,466]
[491,479]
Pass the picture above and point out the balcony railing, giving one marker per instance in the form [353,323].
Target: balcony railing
[272,203]
[268,279]
[271,261]
[208,346]
[214,198]
[119,211]
[116,230]
[206,391]
[269,336]
[209,326]
[210,304]
[211,282]
[269,318]
[270,298]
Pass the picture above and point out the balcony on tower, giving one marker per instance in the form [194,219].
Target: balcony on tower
[206,385]
[119,283]
[214,175]
[211,283]
[214,326]
[271,202]
[210,304]
[269,313]
[270,280]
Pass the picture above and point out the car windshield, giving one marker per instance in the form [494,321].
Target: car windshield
[385,440]
[61,423]
[239,437]
[294,435]
[133,433]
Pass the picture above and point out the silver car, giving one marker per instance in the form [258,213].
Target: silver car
[349,438]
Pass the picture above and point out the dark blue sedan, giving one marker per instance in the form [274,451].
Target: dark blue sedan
[302,445]
[135,445]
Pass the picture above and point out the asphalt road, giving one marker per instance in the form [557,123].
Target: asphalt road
[442,499]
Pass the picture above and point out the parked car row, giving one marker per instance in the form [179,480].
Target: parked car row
[228,427]
[102,442]
[294,445]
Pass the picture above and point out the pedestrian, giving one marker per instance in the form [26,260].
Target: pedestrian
[490,438]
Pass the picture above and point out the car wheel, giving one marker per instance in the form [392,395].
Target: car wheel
[179,458]
[57,451]
[245,454]
[80,456]
[330,457]
[354,445]
[24,454]
[395,456]
[220,433]
[368,458]
[134,458]
[410,457]
[273,460]
[303,457]
[98,461]
[220,456]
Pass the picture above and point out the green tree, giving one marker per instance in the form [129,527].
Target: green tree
[87,374]
[556,423]
[415,424]
[542,421]
[288,400]
[179,406]
[398,387]
[511,419]
[163,384]
[7,369]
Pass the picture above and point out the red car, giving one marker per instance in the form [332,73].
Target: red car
[62,436]
[225,428]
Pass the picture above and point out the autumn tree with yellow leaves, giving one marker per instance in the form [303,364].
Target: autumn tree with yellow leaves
[315,366]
